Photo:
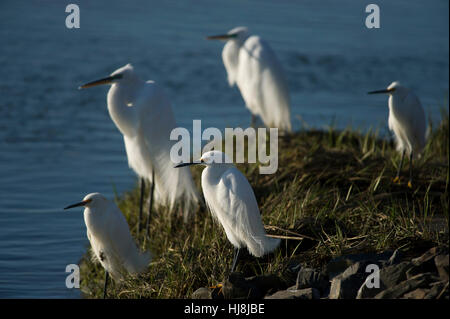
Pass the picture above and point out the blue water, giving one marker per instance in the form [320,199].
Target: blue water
[58,144]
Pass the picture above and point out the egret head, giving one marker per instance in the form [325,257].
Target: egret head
[215,157]
[393,88]
[92,200]
[238,33]
[209,159]
[123,74]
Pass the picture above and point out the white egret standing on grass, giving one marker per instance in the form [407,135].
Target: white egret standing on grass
[253,67]
[232,202]
[407,121]
[110,238]
[143,114]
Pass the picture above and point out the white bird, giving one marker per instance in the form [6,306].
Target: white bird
[143,114]
[110,238]
[407,121]
[232,202]
[252,65]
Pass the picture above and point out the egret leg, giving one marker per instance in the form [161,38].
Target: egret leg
[152,191]
[410,169]
[397,177]
[106,284]
[235,258]
[253,121]
[141,204]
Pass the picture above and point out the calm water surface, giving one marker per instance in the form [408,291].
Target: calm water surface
[58,144]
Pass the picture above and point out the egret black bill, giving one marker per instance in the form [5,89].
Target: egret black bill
[385,91]
[107,80]
[83,203]
[186,164]
[220,37]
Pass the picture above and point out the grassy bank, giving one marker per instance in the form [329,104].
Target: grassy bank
[332,194]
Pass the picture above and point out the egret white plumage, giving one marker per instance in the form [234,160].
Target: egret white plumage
[110,238]
[232,202]
[252,65]
[143,114]
[407,121]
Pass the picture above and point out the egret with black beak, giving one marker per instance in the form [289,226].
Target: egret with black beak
[143,114]
[232,202]
[110,238]
[407,121]
[252,65]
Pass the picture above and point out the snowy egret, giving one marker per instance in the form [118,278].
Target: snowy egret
[407,121]
[252,65]
[232,202]
[110,238]
[143,114]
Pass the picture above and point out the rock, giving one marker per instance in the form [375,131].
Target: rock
[395,258]
[346,285]
[427,256]
[424,263]
[338,265]
[419,293]
[416,270]
[441,262]
[418,281]
[310,278]
[436,289]
[292,293]
[202,293]
[390,276]
[289,275]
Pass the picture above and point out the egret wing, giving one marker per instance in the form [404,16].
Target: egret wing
[121,245]
[412,120]
[262,83]
[156,123]
[239,211]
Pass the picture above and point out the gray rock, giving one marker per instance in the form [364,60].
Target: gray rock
[289,275]
[418,281]
[427,257]
[390,276]
[436,289]
[419,293]
[310,278]
[395,258]
[441,262]
[338,265]
[202,293]
[424,263]
[346,285]
[292,293]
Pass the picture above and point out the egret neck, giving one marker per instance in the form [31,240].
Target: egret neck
[122,105]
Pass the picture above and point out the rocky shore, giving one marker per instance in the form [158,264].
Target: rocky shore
[388,275]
